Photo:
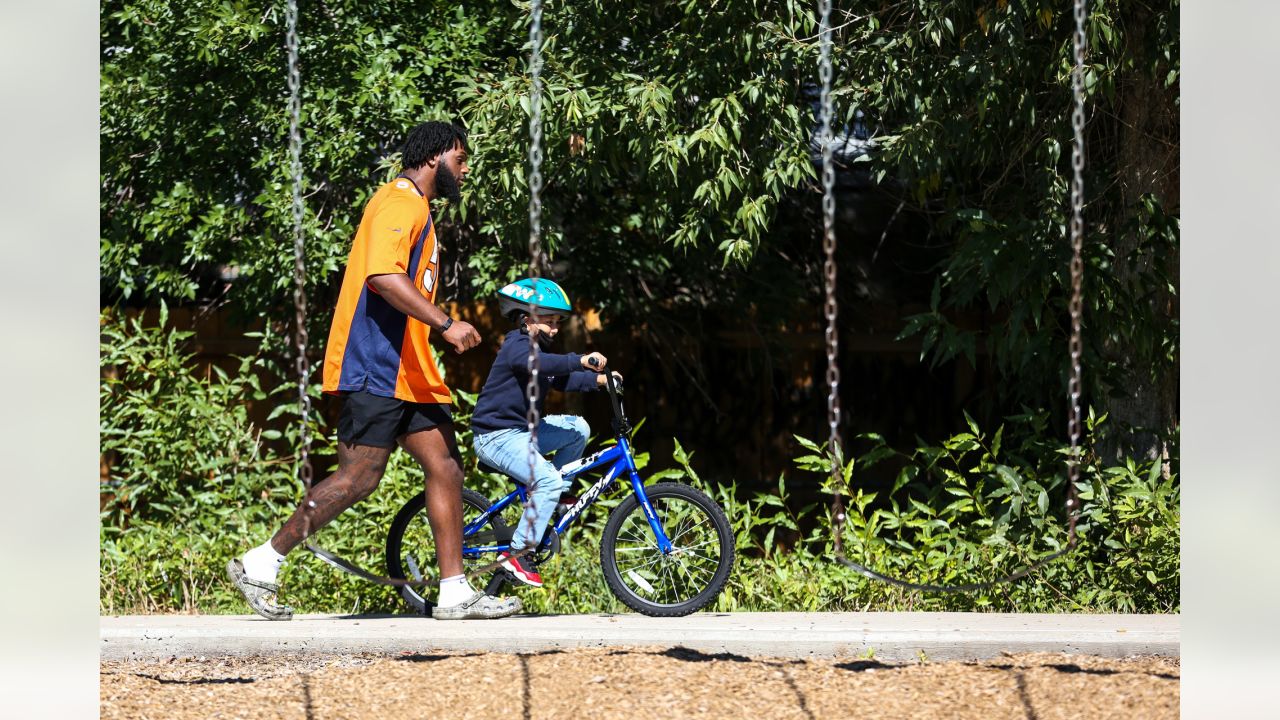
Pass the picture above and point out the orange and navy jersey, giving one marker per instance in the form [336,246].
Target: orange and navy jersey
[373,346]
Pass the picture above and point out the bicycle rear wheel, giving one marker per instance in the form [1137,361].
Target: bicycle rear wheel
[682,581]
[411,548]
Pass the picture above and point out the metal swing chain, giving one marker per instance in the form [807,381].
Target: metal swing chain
[1075,345]
[834,444]
[535,243]
[301,365]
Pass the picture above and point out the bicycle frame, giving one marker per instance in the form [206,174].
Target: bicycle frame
[617,458]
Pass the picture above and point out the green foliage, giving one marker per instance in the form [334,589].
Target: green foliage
[194,126]
[191,476]
[977,507]
[194,483]
[179,445]
[166,429]
[974,100]
[677,135]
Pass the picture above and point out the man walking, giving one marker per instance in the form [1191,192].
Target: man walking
[379,361]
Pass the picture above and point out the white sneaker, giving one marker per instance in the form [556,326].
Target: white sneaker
[478,607]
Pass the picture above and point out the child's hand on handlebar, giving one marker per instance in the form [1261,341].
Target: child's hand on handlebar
[603,380]
[594,361]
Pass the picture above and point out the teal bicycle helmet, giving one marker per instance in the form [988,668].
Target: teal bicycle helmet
[521,295]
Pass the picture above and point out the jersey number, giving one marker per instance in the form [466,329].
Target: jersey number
[429,275]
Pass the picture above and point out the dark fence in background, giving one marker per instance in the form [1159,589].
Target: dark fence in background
[732,396]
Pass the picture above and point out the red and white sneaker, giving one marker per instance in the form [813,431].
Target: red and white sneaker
[522,569]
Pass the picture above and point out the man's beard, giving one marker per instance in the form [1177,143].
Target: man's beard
[447,184]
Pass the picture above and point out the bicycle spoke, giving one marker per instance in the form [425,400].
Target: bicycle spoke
[675,525]
[654,553]
[688,552]
[646,565]
[705,557]
[691,568]
[700,523]
[640,563]
[677,583]
[689,576]
[711,541]
[640,548]
[642,542]
[638,535]
[698,574]
[666,577]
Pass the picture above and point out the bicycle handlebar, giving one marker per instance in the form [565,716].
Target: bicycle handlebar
[620,423]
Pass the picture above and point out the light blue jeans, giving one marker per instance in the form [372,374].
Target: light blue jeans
[508,450]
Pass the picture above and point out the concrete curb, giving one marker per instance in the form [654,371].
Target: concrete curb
[889,636]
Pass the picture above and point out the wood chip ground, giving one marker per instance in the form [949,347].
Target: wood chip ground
[637,682]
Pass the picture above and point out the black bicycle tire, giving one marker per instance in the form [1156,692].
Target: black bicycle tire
[608,557]
[395,540]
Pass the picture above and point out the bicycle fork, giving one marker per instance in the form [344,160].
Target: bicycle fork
[637,486]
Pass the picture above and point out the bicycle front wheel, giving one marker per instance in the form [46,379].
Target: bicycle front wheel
[667,584]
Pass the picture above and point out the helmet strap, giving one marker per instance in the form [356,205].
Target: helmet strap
[542,339]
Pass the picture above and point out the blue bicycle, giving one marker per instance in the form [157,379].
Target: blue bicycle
[667,549]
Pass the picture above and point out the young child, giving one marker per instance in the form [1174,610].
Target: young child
[500,423]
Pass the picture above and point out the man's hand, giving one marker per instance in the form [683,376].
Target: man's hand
[594,361]
[602,379]
[462,336]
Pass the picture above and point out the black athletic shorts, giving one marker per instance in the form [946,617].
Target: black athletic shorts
[368,419]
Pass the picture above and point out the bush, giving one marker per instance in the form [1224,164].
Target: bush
[195,483]
[974,509]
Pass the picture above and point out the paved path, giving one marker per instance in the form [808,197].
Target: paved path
[890,636]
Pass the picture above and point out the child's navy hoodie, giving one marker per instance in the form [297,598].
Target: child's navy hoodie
[503,403]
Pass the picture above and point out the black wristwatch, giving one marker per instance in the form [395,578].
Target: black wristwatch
[448,321]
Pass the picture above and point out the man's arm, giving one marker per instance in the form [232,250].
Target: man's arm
[398,290]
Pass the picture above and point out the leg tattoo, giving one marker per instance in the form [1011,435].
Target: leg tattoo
[360,468]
